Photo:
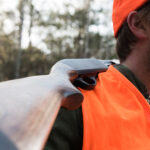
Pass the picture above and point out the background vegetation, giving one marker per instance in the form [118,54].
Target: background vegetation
[67,34]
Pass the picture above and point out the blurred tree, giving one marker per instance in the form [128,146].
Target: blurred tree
[69,34]
[21,25]
[108,48]
[34,18]
[31,14]
[34,61]
[8,50]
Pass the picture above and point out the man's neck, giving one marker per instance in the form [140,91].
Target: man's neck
[141,72]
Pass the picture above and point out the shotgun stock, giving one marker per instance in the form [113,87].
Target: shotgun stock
[29,106]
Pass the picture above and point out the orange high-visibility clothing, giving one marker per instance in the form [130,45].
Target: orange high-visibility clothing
[116,116]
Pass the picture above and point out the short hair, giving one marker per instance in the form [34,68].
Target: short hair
[125,38]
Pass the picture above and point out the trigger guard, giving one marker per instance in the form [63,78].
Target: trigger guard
[86,83]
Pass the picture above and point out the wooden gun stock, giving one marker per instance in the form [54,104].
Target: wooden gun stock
[29,106]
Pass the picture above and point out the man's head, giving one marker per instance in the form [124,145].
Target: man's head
[130,20]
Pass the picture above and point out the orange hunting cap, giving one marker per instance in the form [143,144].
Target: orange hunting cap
[121,9]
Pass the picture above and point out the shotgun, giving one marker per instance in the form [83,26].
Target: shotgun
[29,106]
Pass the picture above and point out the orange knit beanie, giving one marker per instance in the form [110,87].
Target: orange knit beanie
[121,9]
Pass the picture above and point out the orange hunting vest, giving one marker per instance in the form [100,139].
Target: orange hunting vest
[116,116]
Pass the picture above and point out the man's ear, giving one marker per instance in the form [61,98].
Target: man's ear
[136,26]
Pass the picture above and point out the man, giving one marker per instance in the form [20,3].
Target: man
[116,114]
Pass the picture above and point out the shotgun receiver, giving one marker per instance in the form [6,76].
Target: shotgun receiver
[29,106]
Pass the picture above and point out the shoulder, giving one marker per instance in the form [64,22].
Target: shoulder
[67,131]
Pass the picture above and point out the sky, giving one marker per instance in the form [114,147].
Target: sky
[40,4]
[58,5]
[55,4]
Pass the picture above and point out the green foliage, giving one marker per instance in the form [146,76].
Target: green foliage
[76,40]
[67,36]
[7,58]
[34,61]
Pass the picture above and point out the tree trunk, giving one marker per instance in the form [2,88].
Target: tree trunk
[18,63]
